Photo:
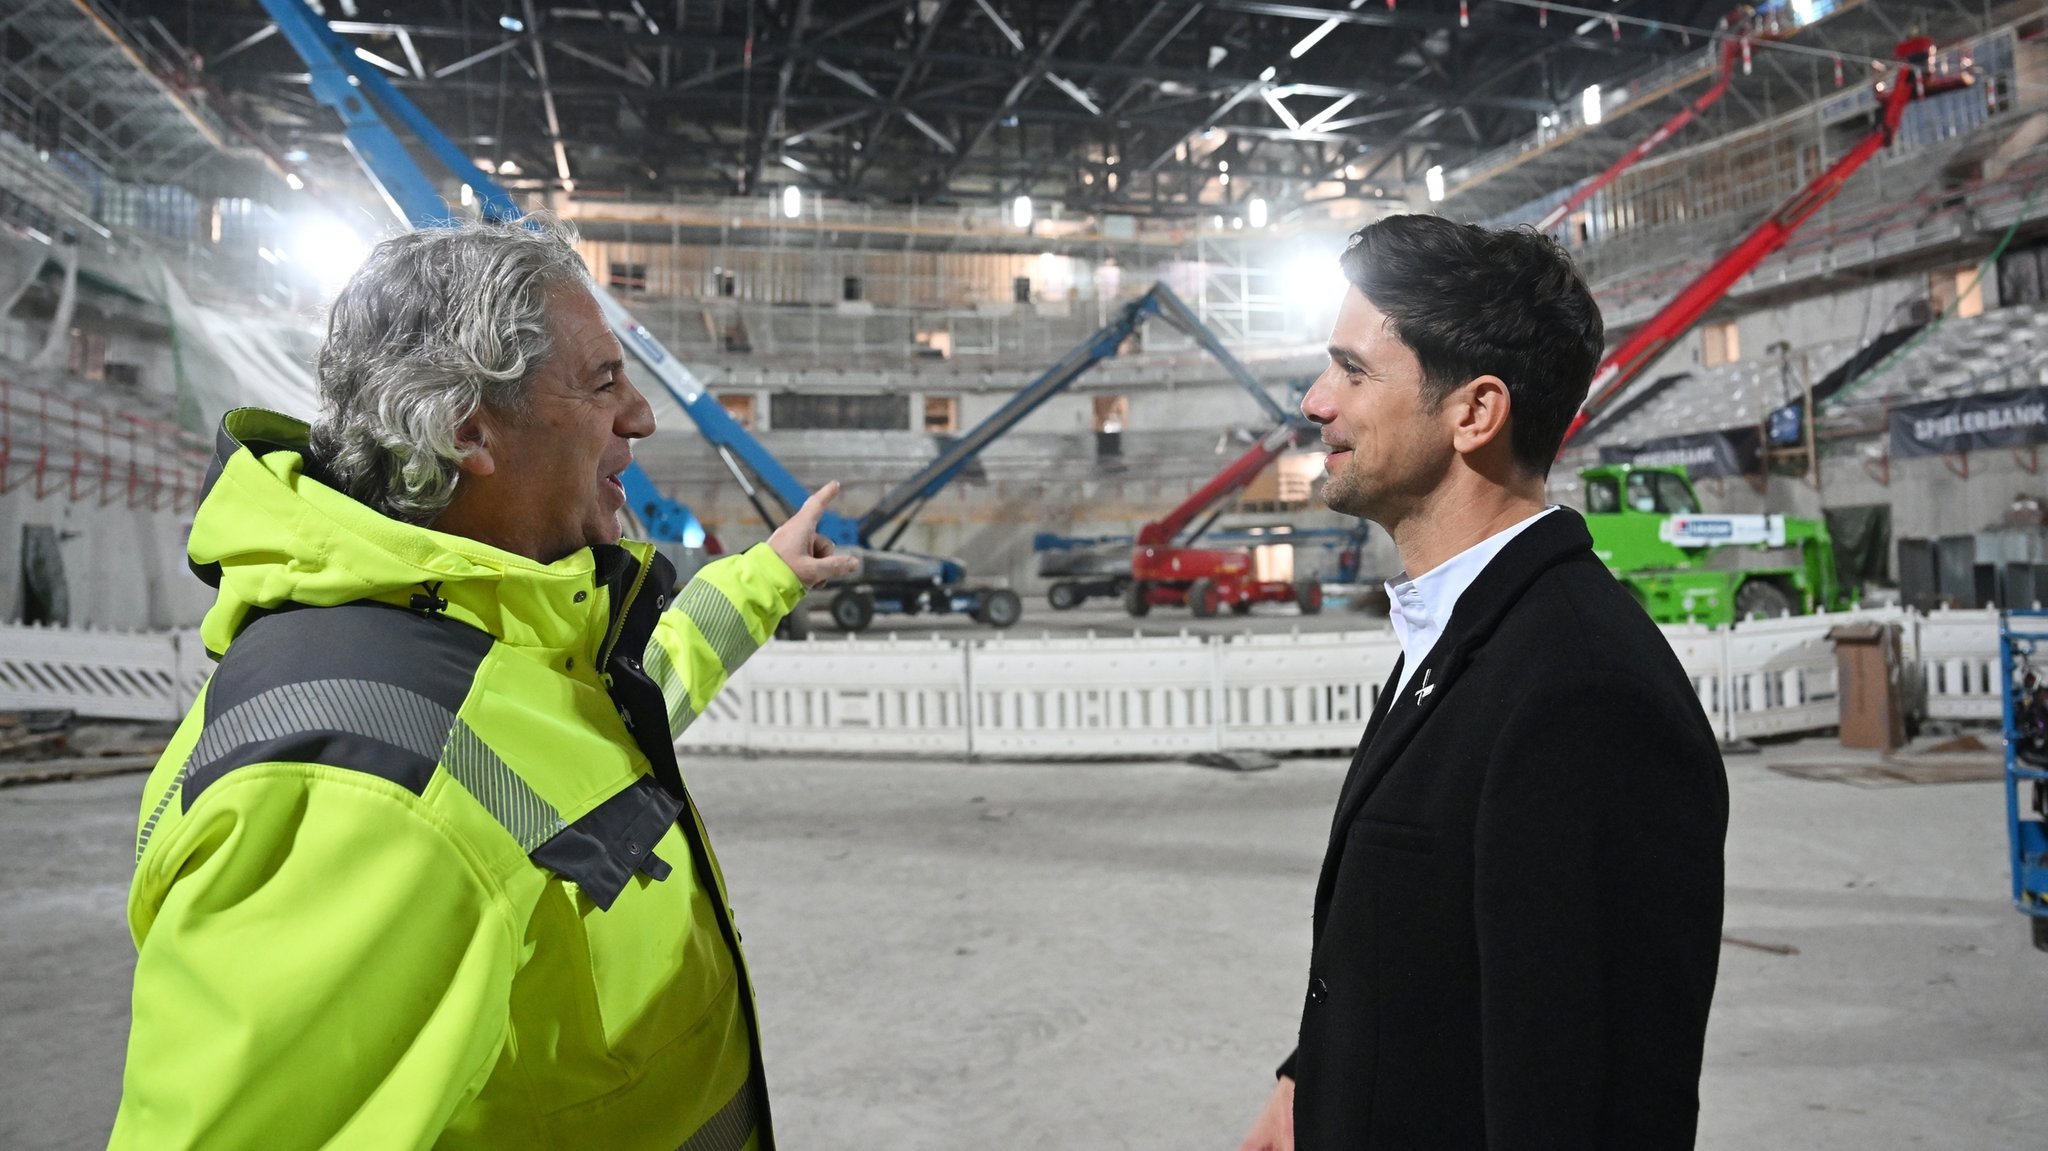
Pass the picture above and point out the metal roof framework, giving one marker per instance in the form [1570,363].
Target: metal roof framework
[1830,56]
[1175,108]
[78,78]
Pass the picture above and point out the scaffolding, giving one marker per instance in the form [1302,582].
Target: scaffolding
[91,86]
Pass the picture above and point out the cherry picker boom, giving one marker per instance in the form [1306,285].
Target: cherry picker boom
[1208,579]
[1898,87]
[1732,49]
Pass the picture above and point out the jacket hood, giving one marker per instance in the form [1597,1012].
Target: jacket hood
[269,534]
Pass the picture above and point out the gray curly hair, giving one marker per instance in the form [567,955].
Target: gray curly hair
[436,323]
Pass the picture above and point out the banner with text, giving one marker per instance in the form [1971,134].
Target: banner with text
[1732,452]
[1969,423]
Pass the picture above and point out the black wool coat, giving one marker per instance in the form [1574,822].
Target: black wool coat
[1519,914]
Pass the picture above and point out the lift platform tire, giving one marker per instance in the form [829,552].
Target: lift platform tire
[2040,928]
[1064,597]
[1136,605]
[852,610]
[1202,598]
[1002,608]
[1761,599]
[796,625]
[1308,596]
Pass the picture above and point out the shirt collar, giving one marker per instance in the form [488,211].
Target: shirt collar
[1420,608]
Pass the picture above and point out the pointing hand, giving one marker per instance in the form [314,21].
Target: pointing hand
[807,553]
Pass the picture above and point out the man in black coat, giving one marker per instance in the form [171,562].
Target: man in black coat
[1519,913]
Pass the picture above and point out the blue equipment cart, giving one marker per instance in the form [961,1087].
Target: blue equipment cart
[2022,635]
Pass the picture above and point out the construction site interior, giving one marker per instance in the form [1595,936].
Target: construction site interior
[1042,285]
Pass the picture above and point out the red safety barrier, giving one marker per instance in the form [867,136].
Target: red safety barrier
[82,453]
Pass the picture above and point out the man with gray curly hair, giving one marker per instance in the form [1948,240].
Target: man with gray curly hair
[420,868]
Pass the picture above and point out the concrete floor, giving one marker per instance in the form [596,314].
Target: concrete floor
[1110,955]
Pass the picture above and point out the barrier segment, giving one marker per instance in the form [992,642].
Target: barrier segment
[1956,656]
[100,674]
[890,695]
[1782,676]
[1094,696]
[1301,692]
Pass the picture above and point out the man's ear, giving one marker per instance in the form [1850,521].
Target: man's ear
[473,438]
[1479,414]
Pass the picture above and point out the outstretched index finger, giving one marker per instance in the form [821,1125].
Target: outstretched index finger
[814,507]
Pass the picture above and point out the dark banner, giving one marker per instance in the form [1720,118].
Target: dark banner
[1968,423]
[1733,452]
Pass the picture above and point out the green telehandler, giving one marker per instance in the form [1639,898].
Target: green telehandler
[1686,566]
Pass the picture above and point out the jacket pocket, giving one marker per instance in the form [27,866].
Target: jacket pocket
[1409,837]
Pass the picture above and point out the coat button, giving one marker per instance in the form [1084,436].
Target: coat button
[1318,991]
[632,848]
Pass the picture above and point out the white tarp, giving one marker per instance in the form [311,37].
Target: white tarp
[231,360]
[21,258]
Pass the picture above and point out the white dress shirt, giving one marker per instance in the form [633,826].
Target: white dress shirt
[1420,608]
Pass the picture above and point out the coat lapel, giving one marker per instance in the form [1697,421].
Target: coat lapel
[1398,723]
[1558,537]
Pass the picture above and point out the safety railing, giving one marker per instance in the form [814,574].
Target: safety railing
[1098,696]
[55,447]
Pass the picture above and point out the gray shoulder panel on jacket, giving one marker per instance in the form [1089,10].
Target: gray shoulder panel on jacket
[366,687]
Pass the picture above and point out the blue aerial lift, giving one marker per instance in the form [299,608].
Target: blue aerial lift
[2022,635]
[356,92]
[903,583]
[888,580]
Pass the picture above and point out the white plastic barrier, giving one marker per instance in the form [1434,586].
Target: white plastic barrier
[887,695]
[1054,696]
[1703,653]
[1095,695]
[102,674]
[1302,693]
[1957,656]
[1771,677]
[1781,673]
[1098,695]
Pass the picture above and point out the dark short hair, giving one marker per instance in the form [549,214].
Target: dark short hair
[1472,301]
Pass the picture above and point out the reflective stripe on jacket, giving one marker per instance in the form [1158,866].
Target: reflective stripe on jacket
[419,868]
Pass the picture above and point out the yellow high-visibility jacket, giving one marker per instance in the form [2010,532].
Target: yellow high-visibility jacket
[419,869]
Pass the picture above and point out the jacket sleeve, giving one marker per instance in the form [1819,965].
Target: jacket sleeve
[1598,891]
[318,965]
[720,618]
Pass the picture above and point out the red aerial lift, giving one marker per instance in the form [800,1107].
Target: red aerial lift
[1733,48]
[1210,579]
[1911,80]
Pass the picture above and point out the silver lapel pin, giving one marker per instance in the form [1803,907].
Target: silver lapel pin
[1422,693]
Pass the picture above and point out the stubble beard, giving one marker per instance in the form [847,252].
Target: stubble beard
[1345,495]
[1395,496]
